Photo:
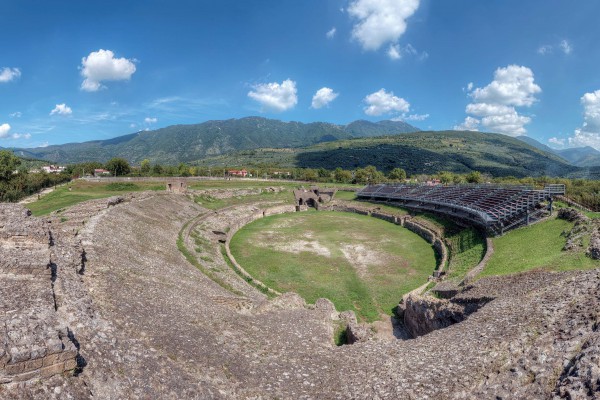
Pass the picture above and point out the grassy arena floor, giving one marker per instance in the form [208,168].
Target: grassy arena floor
[358,262]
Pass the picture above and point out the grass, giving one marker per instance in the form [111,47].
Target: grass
[238,184]
[191,258]
[538,246]
[404,260]
[382,207]
[467,248]
[344,195]
[82,191]
[214,203]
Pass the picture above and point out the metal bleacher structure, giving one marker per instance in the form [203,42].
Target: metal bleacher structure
[493,208]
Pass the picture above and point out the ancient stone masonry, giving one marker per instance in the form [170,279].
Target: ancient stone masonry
[313,197]
[176,186]
[33,341]
[120,304]
[583,227]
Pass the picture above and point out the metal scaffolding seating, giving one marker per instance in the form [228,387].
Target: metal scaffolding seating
[488,206]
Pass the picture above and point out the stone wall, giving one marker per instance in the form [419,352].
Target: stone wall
[33,341]
[257,214]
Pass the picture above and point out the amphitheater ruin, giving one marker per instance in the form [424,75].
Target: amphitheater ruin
[102,300]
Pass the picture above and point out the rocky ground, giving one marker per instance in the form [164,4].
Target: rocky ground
[141,322]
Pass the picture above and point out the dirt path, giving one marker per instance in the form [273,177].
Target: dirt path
[37,196]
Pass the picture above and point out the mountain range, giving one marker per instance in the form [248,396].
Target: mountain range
[424,152]
[185,143]
[579,156]
[254,141]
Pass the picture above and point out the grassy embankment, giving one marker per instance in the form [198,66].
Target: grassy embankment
[538,246]
[360,263]
[82,191]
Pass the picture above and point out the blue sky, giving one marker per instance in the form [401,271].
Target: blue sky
[72,71]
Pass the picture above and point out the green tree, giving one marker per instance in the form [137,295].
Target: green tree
[397,174]
[446,177]
[8,164]
[474,177]
[118,166]
[369,174]
[309,174]
[183,170]
[323,173]
[342,176]
[145,166]
[458,179]
[157,169]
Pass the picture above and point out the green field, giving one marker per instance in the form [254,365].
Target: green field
[83,191]
[358,262]
[213,203]
[538,246]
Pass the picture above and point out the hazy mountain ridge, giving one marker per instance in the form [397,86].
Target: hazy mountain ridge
[184,143]
[421,152]
[579,156]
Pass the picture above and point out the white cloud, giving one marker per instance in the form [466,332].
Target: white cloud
[416,117]
[132,125]
[394,52]
[274,96]
[565,46]
[556,141]
[4,129]
[513,86]
[61,109]
[511,123]
[382,102]
[494,104]
[150,120]
[9,74]
[469,86]
[20,136]
[101,66]
[4,133]
[545,49]
[469,124]
[17,114]
[323,97]
[380,21]
[589,133]
[331,33]
[484,109]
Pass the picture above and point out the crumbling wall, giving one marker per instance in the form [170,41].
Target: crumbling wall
[33,341]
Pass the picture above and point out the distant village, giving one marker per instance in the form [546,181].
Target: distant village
[57,169]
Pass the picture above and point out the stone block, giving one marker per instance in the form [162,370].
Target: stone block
[25,376]
[51,359]
[51,370]
[67,355]
[19,354]
[14,369]
[70,364]
[38,352]
[33,364]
